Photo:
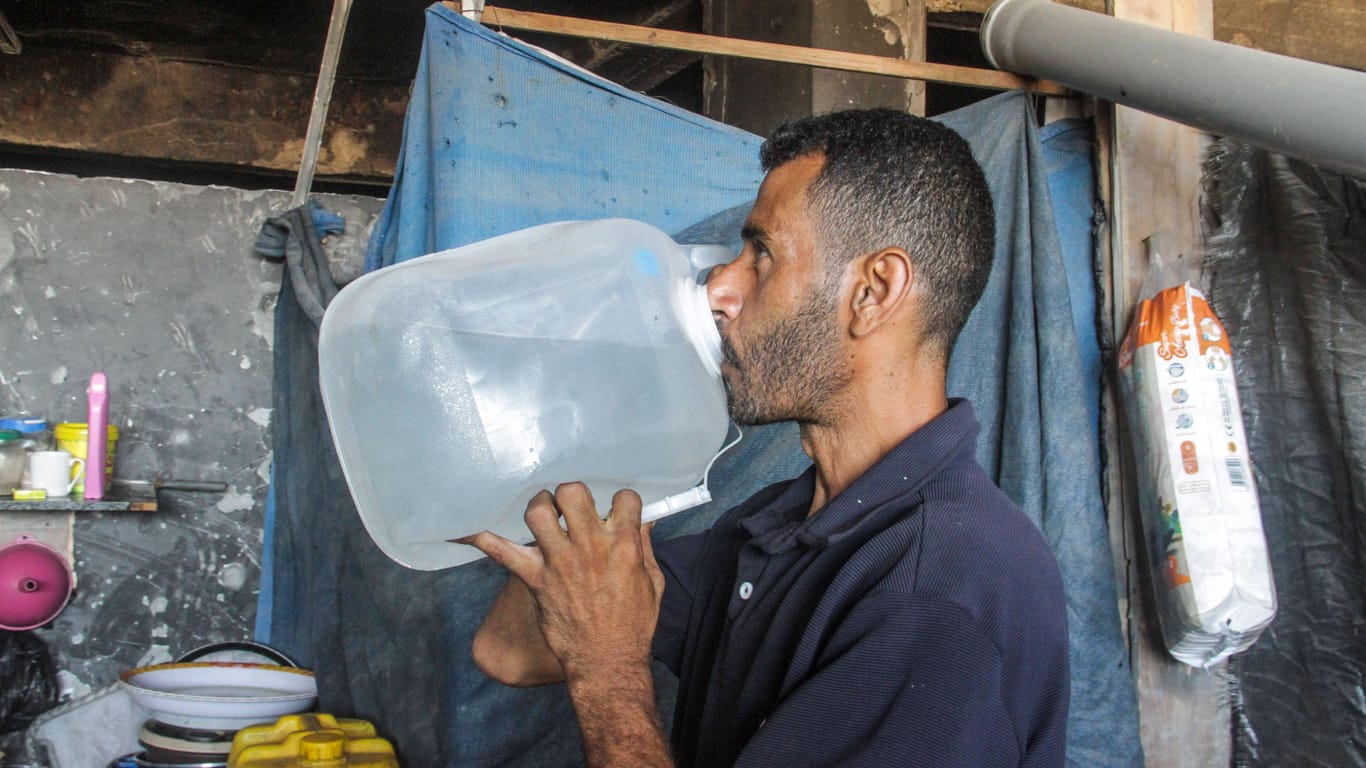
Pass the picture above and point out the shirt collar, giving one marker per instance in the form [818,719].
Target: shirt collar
[782,523]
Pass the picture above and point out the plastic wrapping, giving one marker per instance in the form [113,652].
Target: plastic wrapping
[1285,264]
[1201,517]
[28,680]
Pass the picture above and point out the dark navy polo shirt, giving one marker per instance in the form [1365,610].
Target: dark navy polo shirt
[916,620]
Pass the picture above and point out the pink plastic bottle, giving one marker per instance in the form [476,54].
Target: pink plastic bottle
[97,435]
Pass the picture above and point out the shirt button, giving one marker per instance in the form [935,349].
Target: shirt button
[746,589]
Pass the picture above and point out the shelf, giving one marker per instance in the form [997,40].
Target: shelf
[120,498]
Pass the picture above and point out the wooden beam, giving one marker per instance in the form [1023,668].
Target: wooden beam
[628,65]
[981,6]
[1155,176]
[504,18]
[864,27]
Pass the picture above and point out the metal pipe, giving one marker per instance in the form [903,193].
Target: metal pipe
[1312,111]
[322,97]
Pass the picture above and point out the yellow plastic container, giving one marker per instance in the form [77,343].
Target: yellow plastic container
[311,740]
[73,437]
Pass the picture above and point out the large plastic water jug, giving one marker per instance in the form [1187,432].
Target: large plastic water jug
[459,384]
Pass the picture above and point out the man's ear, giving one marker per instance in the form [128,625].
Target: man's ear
[882,286]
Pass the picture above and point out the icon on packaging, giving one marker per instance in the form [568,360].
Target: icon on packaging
[1188,460]
[1210,330]
[1216,359]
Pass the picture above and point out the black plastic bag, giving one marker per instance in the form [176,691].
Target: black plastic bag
[28,680]
[1286,266]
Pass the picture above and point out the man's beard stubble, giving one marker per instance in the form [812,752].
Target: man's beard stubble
[791,369]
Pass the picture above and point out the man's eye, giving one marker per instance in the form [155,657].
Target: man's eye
[760,251]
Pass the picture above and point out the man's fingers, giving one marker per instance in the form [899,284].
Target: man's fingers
[522,561]
[543,520]
[626,508]
[576,504]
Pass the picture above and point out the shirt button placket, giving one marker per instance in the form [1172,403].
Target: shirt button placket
[751,566]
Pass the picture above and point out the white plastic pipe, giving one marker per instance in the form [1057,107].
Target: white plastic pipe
[1315,112]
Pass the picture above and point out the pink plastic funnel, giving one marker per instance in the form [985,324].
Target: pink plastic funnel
[35,583]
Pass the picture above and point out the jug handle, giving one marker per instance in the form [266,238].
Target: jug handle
[704,257]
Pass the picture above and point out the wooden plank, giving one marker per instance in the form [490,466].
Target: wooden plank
[758,95]
[1155,168]
[121,498]
[981,6]
[631,66]
[1118,474]
[885,28]
[505,18]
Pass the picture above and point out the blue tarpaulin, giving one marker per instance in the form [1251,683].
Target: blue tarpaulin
[501,136]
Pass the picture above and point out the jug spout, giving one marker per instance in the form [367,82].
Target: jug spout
[695,311]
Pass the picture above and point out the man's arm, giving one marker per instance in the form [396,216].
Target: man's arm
[619,719]
[584,603]
[509,646]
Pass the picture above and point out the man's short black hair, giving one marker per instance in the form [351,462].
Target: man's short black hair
[894,179]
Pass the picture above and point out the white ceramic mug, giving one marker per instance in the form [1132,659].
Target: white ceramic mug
[51,471]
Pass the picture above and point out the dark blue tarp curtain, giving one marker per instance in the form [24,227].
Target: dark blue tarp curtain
[500,136]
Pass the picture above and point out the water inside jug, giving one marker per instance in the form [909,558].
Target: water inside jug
[459,384]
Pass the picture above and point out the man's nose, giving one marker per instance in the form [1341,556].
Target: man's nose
[726,290]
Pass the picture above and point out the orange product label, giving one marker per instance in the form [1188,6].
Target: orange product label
[1164,320]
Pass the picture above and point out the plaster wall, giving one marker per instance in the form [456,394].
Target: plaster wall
[157,285]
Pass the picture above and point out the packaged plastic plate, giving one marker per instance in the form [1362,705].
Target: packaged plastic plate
[1201,518]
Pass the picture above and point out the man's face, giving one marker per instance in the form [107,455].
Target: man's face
[777,310]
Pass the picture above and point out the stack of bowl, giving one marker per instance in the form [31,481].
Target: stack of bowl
[195,708]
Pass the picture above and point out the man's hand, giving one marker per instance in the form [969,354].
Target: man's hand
[595,589]
[595,586]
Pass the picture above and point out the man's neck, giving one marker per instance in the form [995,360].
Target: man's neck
[866,427]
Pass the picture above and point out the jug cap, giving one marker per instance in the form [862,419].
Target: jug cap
[24,424]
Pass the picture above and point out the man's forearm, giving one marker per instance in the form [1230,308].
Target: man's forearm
[619,720]
[509,646]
